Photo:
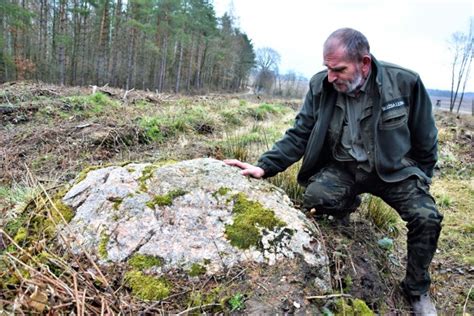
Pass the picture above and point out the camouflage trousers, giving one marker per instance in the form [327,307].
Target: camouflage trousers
[335,189]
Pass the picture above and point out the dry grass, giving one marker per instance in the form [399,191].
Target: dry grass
[56,140]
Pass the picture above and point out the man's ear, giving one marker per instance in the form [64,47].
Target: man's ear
[366,63]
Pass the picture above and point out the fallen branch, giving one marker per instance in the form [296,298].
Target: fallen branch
[467,299]
[327,296]
[197,307]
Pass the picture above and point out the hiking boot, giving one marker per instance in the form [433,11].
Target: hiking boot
[423,305]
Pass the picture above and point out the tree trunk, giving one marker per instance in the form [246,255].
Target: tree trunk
[178,71]
[83,47]
[43,40]
[101,65]
[131,59]
[115,44]
[76,24]
[190,66]
[197,80]
[164,55]
[62,44]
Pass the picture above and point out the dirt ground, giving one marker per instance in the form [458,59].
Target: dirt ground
[45,139]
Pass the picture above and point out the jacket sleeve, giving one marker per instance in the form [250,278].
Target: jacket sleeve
[291,147]
[424,135]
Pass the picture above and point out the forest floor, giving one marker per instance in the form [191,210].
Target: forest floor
[48,134]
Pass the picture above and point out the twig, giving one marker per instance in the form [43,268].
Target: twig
[102,308]
[126,92]
[6,98]
[62,305]
[197,307]
[149,308]
[327,296]
[467,299]
[350,259]
[220,257]
[76,294]
[83,301]
[262,286]
[240,273]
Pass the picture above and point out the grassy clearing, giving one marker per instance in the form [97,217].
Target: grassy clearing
[96,129]
[455,200]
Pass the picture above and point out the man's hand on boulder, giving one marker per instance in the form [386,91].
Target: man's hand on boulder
[247,169]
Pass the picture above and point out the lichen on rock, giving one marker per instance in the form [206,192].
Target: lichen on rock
[193,213]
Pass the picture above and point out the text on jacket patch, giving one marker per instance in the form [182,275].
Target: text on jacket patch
[393,104]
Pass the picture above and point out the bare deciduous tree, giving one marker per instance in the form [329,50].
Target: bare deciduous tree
[462,47]
[267,62]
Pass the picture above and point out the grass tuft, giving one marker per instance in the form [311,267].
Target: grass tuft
[287,181]
[381,215]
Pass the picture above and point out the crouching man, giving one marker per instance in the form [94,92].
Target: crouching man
[366,126]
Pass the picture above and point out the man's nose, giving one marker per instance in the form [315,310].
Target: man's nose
[331,76]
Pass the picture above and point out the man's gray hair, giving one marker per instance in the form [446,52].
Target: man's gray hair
[354,43]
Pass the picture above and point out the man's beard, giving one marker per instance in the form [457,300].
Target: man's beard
[351,85]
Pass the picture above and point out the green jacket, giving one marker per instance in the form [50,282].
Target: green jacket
[403,132]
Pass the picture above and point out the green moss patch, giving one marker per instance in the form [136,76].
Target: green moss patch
[142,262]
[249,216]
[222,191]
[213,296]
[166,199]
[197,270]
[21,235]
[102,248]
[61,211]
[147,287]
[352,307]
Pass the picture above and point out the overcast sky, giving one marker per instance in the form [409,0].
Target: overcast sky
[411,33]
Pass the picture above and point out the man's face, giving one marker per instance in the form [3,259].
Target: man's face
[346,76]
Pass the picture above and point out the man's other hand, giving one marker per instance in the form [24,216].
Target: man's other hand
[247,169]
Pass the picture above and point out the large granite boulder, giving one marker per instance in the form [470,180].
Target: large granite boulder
[192,212]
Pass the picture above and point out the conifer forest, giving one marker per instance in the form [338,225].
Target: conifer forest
[160,45]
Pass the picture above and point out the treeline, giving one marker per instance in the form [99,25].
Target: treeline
[161,45]
[446,93]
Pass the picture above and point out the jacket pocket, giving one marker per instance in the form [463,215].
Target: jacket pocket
[393,118]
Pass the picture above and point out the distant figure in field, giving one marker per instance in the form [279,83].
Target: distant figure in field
[365,126]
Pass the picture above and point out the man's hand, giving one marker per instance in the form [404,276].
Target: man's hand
[247,169]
